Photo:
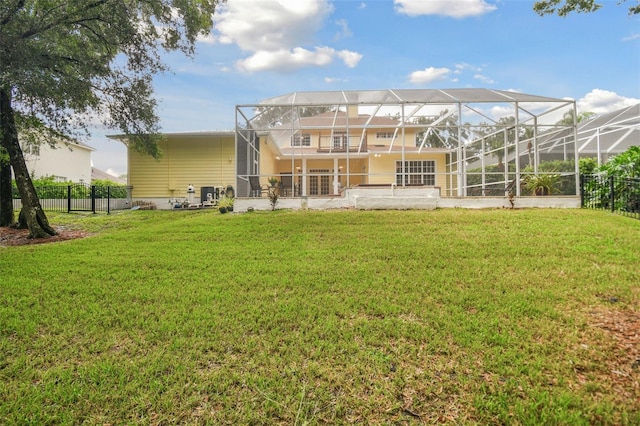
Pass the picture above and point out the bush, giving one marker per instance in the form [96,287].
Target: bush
[49,188]
[620,173]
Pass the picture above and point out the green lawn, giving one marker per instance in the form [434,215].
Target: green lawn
[447,316]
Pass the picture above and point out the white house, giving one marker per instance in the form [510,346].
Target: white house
[65,161]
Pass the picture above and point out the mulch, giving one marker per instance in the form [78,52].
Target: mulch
[20,237]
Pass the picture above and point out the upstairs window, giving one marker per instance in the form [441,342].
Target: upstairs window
[301,139]
[384,135]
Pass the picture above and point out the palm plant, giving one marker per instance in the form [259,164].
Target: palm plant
[542,184]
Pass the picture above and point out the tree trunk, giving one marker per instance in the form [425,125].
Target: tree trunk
[7,217]
[32,212]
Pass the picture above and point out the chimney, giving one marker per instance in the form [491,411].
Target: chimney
[352,111]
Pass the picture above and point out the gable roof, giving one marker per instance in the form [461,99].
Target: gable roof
[341,119]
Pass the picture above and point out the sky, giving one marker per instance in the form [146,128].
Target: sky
[264,48]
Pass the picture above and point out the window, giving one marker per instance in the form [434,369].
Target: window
[384,135]
[303,139]
[416,172]
[340,140]
[31,148]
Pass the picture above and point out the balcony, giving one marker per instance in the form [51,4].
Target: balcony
[342,142]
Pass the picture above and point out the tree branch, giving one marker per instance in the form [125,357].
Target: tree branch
[11,13]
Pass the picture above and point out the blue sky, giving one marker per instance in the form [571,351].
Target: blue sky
[264,48]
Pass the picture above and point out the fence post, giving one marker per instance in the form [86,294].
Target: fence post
[108,199]
[68,198]
[93,199]
[582,178]
[612,194]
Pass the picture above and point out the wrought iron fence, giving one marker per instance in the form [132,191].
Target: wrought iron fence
[619,195]
[79,197]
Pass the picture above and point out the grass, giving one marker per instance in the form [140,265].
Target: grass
[450,316]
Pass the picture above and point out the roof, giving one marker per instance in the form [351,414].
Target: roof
[100,174]
[340,119]
[196,134]
[608,133]
[613,132]
[401,96]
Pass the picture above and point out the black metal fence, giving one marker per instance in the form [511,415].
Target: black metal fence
[619,195]
[80,197]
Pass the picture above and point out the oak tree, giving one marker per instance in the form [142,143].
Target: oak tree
[565,7]
[64,64]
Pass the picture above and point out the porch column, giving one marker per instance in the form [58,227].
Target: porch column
[336,177]
[304,177]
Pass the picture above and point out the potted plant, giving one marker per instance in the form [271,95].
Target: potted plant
[273,181]
[542,184]
[222,205]
[229,202]
[226,204]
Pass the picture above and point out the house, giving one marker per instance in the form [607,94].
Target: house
[203,160]
[68,161]
[371,145]
[337,149]
[370,149]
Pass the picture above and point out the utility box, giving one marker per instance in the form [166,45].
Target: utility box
[204,190]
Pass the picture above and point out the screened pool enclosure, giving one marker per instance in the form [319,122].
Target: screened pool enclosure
[459,142]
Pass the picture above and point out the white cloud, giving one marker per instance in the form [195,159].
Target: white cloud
[344,31]
[275,32]
[632,37]
[291,60]
[463,66]
[484,79]
[428,75]
[256,25]
[601,101]
[351,59]
[206,39]
[454,9]
[334,80]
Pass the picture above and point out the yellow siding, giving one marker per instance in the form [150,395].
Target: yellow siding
[268,162]
[409,137]
[382,170]
[199,161]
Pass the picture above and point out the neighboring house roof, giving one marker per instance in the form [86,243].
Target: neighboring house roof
[80,145]
[102,175]
[62,144]
[400,96]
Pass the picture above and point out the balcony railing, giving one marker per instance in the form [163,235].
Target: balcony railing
[342,143]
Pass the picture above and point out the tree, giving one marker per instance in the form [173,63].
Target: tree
[564,7]
[440,131]
[6,194]
[63,63]
[500,136]
[623,165]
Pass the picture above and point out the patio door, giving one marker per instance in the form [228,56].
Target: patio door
[319,182]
